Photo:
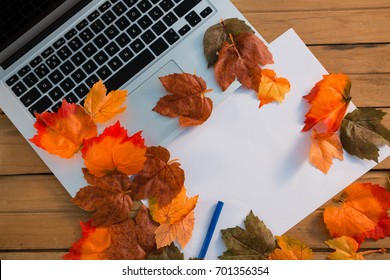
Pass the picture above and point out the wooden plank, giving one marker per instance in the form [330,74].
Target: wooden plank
[370,90]
[246,6]
[354,59]
[326,27]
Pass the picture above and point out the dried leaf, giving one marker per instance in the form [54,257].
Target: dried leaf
[324,147]
[187,100]
[241,59]
[217,34]
[62,133]
[271,87]
[362,133]
[107,196]
[254,242]
[114,150]
[91,246]
[170,252]
[291,249]
[329,100]
[104,107]
[176,219]
[159,178]
[360,212]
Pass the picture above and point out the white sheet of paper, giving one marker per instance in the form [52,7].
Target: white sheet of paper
[257,159]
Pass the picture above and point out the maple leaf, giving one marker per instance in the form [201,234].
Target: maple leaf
[176,219]
[254,242]
[91,246]
[360,212]
[159,178]
[62,133]
[361,133]
[346,249]
[108,196]
[170,252]
[271,87]
[187,100]
[114,150]
[217,34]
[103,107]
[241,59]
[324,147]
[133,239]
[329,100]
[290,249]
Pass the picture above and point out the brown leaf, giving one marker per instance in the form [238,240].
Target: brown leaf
[187,100]
[107,196]
[159,178]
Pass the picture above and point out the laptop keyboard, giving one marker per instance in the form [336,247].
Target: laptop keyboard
[113,43]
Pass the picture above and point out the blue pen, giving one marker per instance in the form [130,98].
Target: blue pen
[210,231]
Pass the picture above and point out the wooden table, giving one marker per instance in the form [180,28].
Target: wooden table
[37,219]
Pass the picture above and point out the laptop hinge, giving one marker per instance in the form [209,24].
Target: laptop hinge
[47,31]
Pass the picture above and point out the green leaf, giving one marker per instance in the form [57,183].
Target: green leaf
[254,242]
[362,132]
[217,34]
[170,252]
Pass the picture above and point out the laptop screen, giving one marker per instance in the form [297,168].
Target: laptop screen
[18,16]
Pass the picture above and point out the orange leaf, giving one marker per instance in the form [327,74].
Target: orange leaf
[186,101]
[92,245]
[176,219]
[62,133]
[329,100]
[324,147]
[103,107]
[345,247]
[241,59]
[361,212]
[272,88]
[291,249]
[114,150]
[107,196]
[159,178]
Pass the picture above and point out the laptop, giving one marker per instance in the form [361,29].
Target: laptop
[53,50]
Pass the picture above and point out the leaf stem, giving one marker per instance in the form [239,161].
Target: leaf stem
[234,45]
[382,251]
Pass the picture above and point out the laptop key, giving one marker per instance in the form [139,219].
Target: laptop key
[67,85]
[185,6]
[30,79]
[78,76]
[159,28]
[59,43]
[115,63]
[91,80]
[134,31]
[75,44]
[53,62]
[97,26]
[67,67]
[13,79]
[130,70]
[100,57]
[166,5]
[206,12]
[193,18]
[81,91]
[111,32]
[126,54]
[122,23]
[24,70]
[133,14]
[56,107]
[56,93]
[111,49]
[171,36]
[44,85]
[144,6]
[105,6]
[42,70]
[71,98]
[145,22]
[100,41]
[104,72]
[119,8]
[108,17]
[36,61]
[123,40]
[130,3]
[156,13]
[30,97]
[78,58]
[89,67]
[93,15]
[148,36]
[137,46]
[86,35]
[170,19]
[56,76]
[42,105]
[47,52]
[89,50]
[82,24]
[159,46]
[19,88]
[69,35]
[64,53]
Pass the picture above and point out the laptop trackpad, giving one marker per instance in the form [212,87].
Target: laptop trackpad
[139,114]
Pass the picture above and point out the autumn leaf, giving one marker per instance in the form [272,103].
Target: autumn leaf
[254,242]
[329,100]
[170,252]
[271,87]
[114,150]
[291,249]
[360,212]
[241,59]
[108,196]
[176,219]
[91,246]
[362,132]
[133,240]
[324,147]
[186,100]
[217,34]
[62,133]
[159,177]
[346,249]
[104,107]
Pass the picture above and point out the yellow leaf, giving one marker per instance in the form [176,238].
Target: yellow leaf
[272,88]
[291,249]
[345,247]
[103,107]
